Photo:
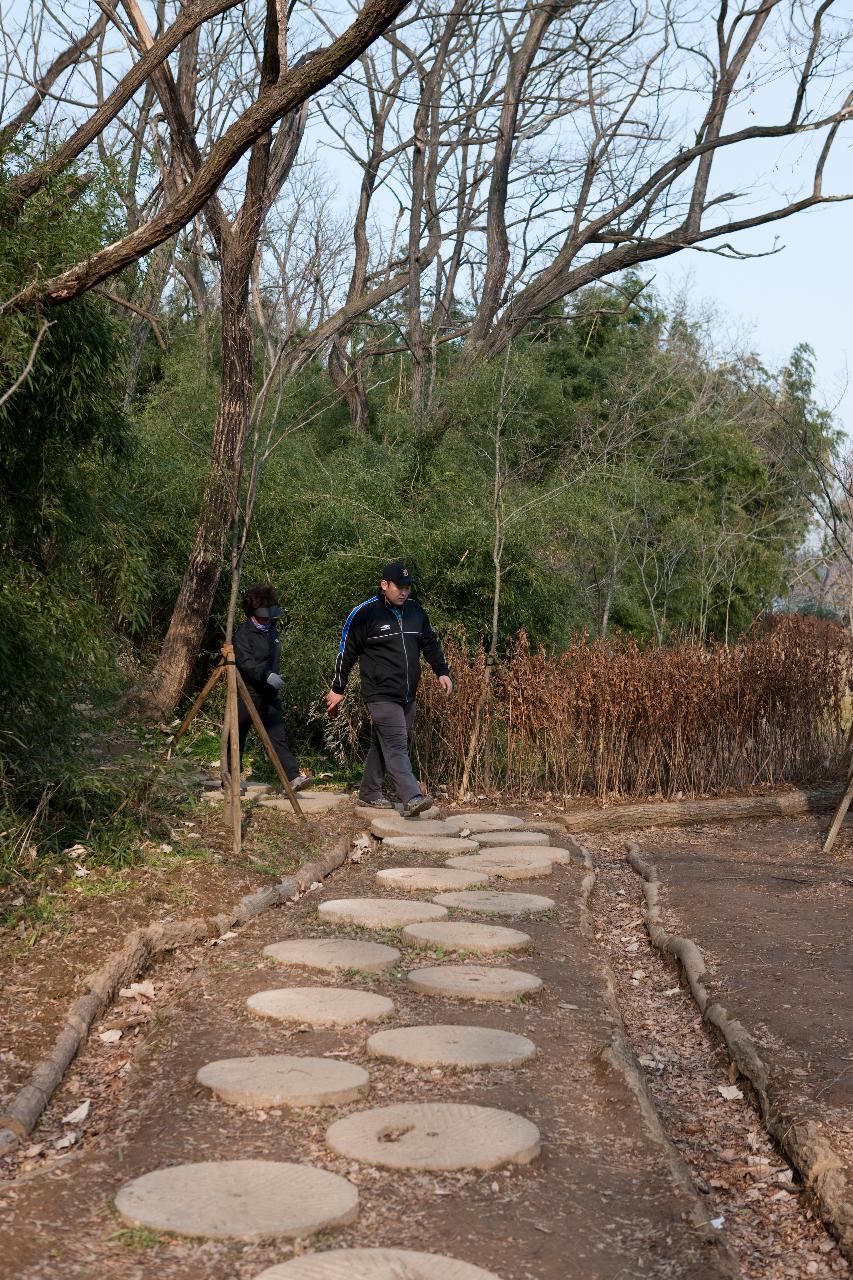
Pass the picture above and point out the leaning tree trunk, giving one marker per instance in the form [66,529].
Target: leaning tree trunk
[348,382]
[219,504]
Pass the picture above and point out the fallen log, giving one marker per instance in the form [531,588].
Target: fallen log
[683,813]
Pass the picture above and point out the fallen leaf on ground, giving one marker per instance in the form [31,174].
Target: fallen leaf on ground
[730,1092]
[145,989]
[79,1114]
[110,1037]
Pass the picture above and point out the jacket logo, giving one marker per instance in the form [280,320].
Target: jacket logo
[386,626]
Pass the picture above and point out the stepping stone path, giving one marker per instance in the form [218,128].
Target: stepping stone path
[418,879]
[428,844]
[379,913]
[321,1006]
[334,954]
[463,936]
[474,982]
[452,1046]
[375,1264]
[239,1200]
[281,1080]
[382,1114]
[435,1136]
[505,867]
[495,902]
[256,1199]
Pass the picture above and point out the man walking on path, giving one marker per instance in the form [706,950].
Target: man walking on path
[388,633]
[257,652]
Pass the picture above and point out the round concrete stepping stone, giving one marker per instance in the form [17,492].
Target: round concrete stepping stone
[489,821]
[435,1136]
[321,1006]
[450,1046]
[283,1080]
[309,801]
[428,844]
[375,1264]
[239,1200]
[493,838]
[416,879]
[495,902]
[379,913]
[473,982]
[332,954]
[511,866]
[462,935]
[395,825]
[554,852]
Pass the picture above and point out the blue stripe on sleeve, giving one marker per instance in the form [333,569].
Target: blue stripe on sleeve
[345,632]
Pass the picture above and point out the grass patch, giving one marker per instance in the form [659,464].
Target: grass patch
[138,1238]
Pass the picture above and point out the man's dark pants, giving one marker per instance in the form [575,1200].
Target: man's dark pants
[389,751]
[273,721]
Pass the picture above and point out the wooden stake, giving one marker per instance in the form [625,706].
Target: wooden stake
[234,736]
[268,746]
[840,813]
[230,759]
[196,707]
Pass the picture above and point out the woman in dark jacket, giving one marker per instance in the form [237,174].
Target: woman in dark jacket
[257,651]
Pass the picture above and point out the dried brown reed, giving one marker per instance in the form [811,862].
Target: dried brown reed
[611,719]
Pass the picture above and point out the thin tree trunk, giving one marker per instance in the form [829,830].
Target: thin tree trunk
[218,508]
[347,379]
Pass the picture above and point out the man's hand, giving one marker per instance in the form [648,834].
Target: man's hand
[446,683]
[275,680]
[333,701]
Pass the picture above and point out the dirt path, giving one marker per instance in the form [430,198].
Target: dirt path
[610,1197]
[771,915]
[603,1200]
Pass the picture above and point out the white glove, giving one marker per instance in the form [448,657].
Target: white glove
[275,680]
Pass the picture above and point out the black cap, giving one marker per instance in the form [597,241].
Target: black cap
[268,611]
[398,572]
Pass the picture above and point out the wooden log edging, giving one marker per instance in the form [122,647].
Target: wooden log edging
[132,959]
[620,1057]
[682,813]
[804,1142]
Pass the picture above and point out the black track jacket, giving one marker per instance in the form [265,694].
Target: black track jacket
[388,643]
[257,653]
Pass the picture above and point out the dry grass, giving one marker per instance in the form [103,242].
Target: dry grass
[610,719]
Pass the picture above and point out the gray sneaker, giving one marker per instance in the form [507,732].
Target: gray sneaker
[301,781]
[416,805]
[379,803]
